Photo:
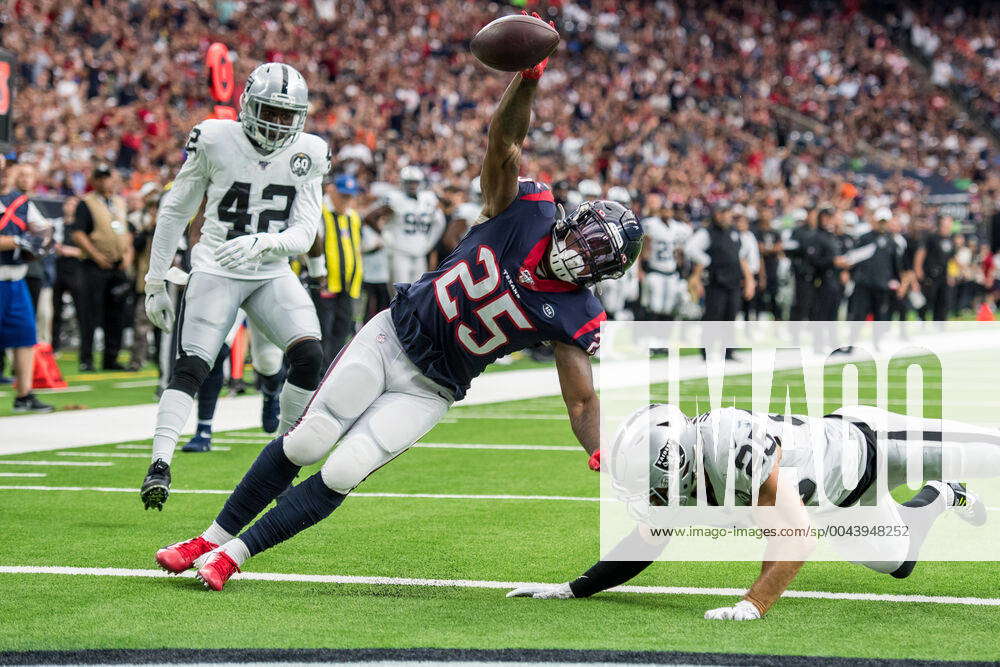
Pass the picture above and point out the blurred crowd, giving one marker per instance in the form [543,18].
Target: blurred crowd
[758,116]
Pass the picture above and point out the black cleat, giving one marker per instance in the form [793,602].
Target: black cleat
[156,486]
[967,505]
[30,403]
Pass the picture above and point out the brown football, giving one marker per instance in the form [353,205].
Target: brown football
[514,43]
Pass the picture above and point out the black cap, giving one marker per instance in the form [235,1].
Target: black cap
[102,171]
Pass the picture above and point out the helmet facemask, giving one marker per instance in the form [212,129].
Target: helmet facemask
[587,248]
[270,124]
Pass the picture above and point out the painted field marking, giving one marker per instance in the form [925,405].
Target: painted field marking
[23,474]
[121,455]
[542,448]
[151,382]
[473,583]
[437,445]
[357,494]
[94,464]
[147,448]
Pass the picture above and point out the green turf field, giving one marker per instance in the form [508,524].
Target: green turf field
[485,539]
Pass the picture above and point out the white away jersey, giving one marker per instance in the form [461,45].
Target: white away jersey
[247,193]
[664,240]
[416,223]
[830,454]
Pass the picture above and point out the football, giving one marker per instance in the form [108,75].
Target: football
[514,43]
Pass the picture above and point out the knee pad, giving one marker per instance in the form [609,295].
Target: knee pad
[189,373]
[305,363]
[311,438]
[353,460]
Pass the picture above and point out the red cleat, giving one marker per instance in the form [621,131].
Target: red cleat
[217,570]
[179,557]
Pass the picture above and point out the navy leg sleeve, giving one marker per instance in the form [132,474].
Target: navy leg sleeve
[305,505]
[269,475]
[208,393]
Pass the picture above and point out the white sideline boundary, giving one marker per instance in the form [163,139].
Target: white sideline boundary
[473,583]
[23,474]
[356,494]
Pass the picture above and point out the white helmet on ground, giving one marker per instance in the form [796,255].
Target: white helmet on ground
[649,465]
[274,105]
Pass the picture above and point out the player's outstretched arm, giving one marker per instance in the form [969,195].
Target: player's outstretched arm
[508,127]
[576,380]
[637,551]
[180,203]
[783,556]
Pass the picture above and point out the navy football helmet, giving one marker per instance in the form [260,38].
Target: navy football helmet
[598,240]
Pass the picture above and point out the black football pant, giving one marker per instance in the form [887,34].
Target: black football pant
[336,322]
[804,300]
[722,303]
[868,300]
[938,295]
[104,303]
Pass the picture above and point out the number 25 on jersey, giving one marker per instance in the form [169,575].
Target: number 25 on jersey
[489,313]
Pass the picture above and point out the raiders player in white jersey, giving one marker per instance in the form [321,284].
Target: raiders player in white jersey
[663,289]
[655,452]
[414,225]
[616,295]
[261,181]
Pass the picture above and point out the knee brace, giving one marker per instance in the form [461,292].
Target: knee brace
[305,363]
[311,438]
[189,373]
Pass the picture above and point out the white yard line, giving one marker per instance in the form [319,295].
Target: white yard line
[429,445]
[474,583]
[131,384]
[102,464]
[539,448]
[356,494]
[22,474]
[121,455]
[145,448]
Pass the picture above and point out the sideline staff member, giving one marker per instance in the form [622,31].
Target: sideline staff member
[20,227]
[717,248]
[99,230]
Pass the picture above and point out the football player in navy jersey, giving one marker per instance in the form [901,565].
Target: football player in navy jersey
[517,278]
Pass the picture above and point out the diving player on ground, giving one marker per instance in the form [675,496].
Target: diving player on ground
[742,453]
[515,280]
[262,178]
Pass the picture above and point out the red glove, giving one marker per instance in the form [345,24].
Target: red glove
[535,73]
[595,461]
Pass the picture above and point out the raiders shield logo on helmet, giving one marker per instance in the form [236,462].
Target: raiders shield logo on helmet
[300,164]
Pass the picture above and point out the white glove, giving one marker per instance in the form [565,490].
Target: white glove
[243,250]
[159,307]
[744,610]
[543,592]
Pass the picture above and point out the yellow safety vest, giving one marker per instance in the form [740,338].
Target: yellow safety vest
[342,246]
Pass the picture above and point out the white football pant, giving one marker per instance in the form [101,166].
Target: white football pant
[372,406]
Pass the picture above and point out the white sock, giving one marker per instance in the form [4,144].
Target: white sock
[293,401]
[216,535]
[175,406]
[236,550]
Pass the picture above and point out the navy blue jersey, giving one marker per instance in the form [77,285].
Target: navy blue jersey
[486,300]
